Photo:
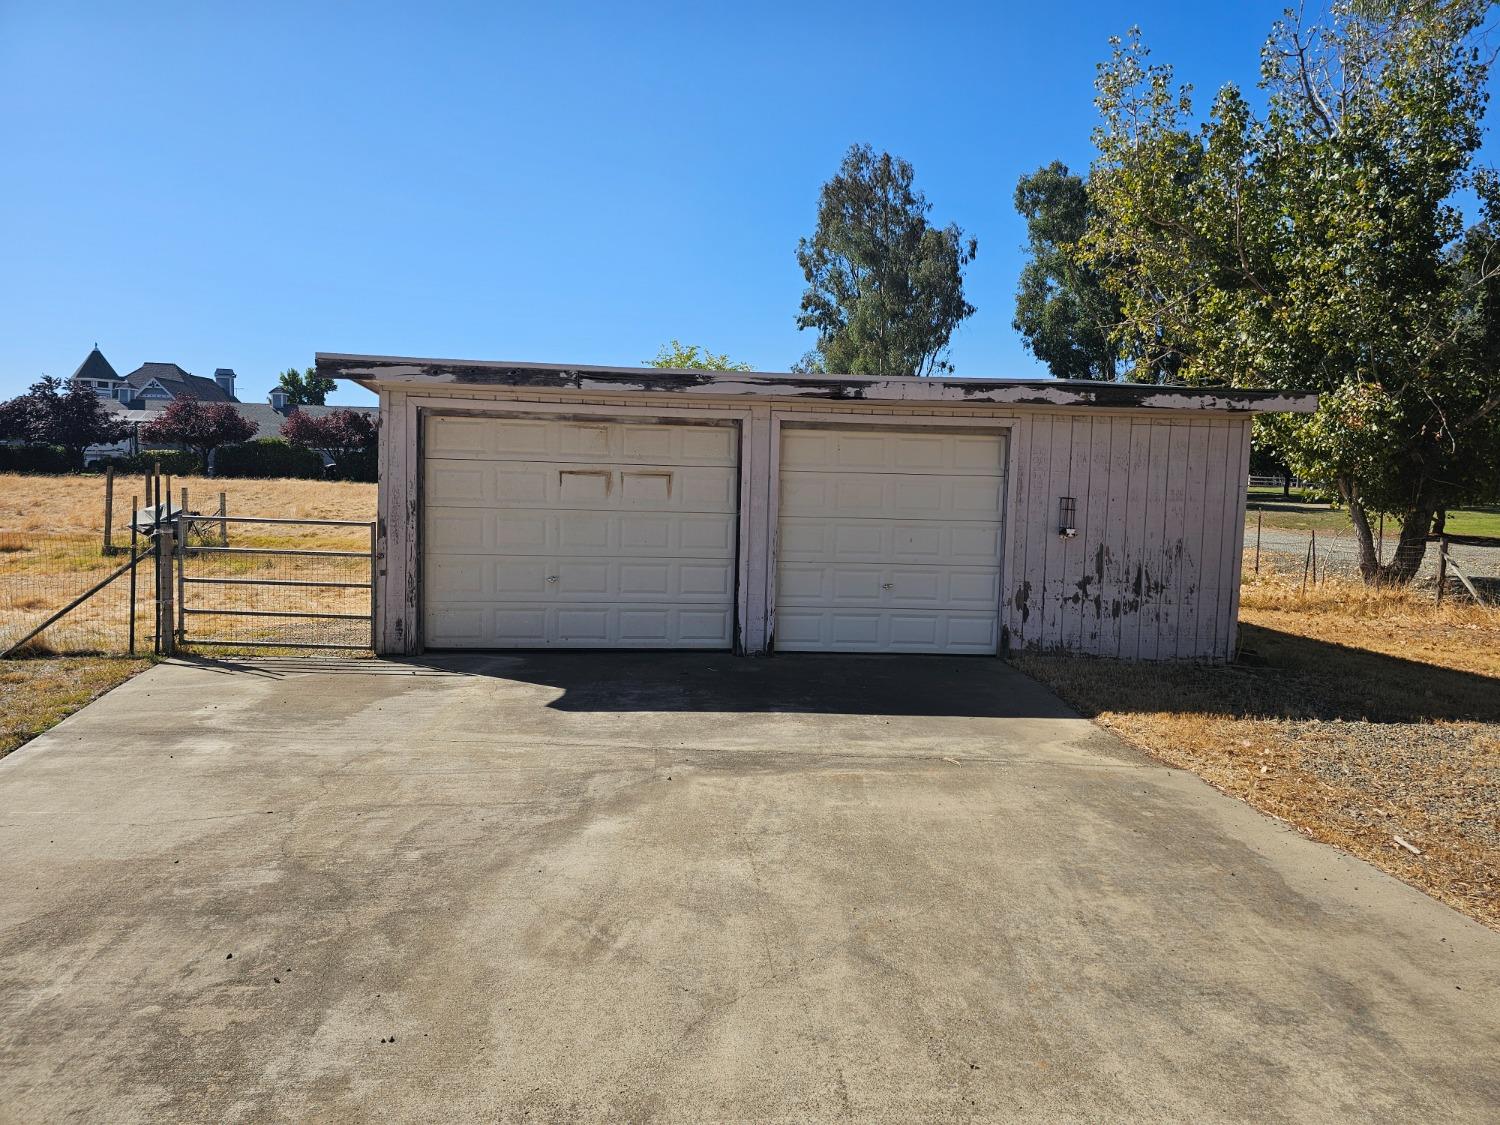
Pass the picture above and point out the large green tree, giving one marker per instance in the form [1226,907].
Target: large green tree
[1064,313]
[885,288]
[1320,245]
[305,388]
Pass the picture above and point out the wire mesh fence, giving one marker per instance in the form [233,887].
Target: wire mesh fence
[43,573]
[1334,554]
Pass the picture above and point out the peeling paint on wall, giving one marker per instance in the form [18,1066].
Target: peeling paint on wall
[1152,569]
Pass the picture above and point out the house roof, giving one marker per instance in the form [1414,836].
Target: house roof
[177,381]
[268,419]
[95,366]
[408,373]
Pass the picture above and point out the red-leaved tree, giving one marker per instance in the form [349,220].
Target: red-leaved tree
[68,414]
[348,436]
[199,426]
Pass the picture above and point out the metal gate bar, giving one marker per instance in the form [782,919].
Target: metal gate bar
[276,582]
[278,613]
[278,550]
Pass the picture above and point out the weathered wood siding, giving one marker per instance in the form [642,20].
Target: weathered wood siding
[1153,572]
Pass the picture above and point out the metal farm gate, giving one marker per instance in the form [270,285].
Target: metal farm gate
[269,589]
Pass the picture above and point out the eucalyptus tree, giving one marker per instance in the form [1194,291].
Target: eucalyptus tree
[885,288]
[1064,312]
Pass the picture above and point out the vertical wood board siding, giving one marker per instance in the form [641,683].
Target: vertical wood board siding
[1153,569]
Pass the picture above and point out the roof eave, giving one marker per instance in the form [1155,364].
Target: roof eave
[403,372]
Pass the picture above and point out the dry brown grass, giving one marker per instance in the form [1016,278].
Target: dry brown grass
[37,694]
[1355,715]
[74,505]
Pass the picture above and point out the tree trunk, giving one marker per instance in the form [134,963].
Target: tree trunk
[1411,547]
[1286,485]
[1369,564]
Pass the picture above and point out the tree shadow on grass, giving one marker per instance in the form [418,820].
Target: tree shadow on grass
[1279,676]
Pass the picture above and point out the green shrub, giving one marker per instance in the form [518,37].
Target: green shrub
[34,459]
[267,457]
[358,464]
[177,462]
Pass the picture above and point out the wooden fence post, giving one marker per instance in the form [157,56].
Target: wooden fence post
[134,550]
[1442,579]
[109,508]
[166,614]
[183,527]
[1259,516]
[223,520]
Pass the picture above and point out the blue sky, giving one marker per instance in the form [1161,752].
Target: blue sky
[243,185]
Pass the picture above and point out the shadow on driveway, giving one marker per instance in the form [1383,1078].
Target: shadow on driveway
[832,684]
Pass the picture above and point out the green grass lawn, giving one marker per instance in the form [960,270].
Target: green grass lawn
[1305,515]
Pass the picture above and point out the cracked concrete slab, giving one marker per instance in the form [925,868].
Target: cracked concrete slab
[673,887]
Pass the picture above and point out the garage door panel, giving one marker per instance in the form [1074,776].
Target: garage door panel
[576,580]
[693,488]
[537,531]
[457,483]
[583,534]
[810,585]
[811,630]
[971,543]
[889,496]
[889,541]
[558,440]
[901,451]
[488,625]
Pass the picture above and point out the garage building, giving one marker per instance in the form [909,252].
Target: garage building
[528,506]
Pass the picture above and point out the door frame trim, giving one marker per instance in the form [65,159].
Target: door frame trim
[1003,425]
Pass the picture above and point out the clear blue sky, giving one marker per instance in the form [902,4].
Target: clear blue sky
[242,185]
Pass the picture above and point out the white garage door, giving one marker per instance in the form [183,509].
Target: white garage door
[889,541]
[545,533]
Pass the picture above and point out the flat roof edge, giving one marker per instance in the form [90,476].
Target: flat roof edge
[374,371]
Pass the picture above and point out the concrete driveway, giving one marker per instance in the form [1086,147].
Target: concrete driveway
[694,888]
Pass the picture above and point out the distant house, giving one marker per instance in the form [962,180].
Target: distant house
[146,391]
[95,372]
